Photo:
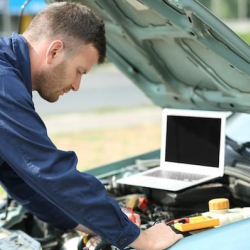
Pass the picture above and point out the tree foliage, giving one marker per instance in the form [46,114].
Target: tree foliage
[228,9]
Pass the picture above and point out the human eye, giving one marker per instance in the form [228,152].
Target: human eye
[81,72]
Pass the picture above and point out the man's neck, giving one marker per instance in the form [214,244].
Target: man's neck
[36,52]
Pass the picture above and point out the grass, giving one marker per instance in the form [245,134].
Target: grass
[245,37]
[102,146]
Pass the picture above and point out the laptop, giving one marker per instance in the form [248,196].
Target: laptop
[192,151]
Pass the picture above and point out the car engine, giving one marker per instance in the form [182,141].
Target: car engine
[21,230]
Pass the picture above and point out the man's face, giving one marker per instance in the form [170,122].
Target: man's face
[66,75]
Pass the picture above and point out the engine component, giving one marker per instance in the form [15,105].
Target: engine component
[94,243]
[17,240]
[219,208]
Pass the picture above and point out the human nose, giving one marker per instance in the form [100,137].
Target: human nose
[76,85]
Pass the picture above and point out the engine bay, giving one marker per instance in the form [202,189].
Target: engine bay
[21,230]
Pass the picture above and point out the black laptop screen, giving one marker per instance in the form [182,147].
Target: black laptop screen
[193,140]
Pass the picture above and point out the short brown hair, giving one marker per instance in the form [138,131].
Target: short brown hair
[73,23]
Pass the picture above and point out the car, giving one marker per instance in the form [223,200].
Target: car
[182,57]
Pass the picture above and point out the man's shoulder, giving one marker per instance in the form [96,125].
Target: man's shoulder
[8,64]
[8,59]
[10,76]
[6,69]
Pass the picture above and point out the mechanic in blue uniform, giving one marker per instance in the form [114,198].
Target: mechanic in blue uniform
[62,43]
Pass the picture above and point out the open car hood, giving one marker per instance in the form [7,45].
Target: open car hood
[177,52]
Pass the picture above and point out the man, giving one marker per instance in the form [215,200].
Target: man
[62,43]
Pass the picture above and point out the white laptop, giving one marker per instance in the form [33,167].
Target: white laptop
[192,151]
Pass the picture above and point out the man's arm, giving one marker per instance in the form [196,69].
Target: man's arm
[32,201]
[157,237]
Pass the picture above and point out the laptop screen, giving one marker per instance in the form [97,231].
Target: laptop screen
[193,140]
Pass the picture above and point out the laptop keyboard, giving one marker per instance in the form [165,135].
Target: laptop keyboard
[188,177]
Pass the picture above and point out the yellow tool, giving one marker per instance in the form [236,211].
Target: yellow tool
[197,222]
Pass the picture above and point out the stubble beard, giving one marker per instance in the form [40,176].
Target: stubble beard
[49,83]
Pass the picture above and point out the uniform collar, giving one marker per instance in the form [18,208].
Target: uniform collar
[20,48]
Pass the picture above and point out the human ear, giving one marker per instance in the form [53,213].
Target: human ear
[55,52]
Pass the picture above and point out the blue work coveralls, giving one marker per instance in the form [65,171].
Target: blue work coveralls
[39,176]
